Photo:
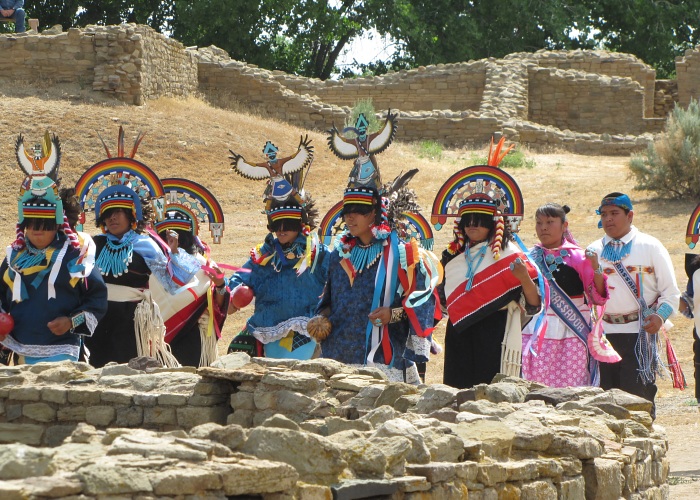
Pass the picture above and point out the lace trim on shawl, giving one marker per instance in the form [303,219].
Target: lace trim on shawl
[40,351]
[272,333]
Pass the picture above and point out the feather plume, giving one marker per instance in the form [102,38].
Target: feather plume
[495,155]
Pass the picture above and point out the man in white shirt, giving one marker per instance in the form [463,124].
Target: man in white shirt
[643,294]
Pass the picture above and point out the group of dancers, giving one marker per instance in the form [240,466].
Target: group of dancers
[362,287]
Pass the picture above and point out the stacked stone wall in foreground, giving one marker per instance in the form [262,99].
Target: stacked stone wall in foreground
[313,429]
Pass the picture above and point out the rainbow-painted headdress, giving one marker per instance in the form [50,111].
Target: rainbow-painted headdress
[189,204]
[498,191]
[118,196]
[120,182]
[478,203]
[692,233]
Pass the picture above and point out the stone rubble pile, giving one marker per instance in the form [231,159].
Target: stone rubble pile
[284,429]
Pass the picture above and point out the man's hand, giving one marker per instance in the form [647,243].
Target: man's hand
[652,324]
[7,13]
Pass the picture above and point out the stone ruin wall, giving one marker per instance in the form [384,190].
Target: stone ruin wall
[131,62]
[570,100]
[308,430]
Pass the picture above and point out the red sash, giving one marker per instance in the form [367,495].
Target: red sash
[488,286]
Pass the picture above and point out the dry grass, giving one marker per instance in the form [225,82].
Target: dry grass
[189,138]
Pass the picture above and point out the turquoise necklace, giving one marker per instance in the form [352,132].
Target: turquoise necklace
[30,257]
[471,265]
[115,258]
[364,256]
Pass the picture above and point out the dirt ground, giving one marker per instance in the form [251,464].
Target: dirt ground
[188,138]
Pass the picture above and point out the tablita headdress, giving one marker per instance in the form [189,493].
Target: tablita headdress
[122,182]
[285,175]
[484,189]
[39,196]
[284,194]
[363,149]
[187,206]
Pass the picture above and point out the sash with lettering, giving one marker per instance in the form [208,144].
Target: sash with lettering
[493,287]
[562,305]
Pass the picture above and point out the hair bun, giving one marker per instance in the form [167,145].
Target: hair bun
[566,209]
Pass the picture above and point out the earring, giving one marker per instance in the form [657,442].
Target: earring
[134,225]
[104,228]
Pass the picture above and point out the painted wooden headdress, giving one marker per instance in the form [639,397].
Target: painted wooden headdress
[284,194]
[188,205]
[483,189]
[121,182]
[39,195]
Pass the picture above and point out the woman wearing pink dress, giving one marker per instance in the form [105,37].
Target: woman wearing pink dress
[560,356]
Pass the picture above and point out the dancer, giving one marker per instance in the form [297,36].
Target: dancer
[378,307]
[193,319]
[116,189]
[44,286]
[287,271]
[488,280]
[560,356]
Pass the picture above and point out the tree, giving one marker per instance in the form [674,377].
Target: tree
[303,37]
[444,31]
[656,31]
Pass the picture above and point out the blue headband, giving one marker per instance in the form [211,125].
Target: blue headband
[622,201]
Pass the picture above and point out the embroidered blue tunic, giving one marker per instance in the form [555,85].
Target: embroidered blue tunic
[31,337]
[350,305]
[284,301]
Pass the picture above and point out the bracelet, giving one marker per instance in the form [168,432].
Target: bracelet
[599,270]
[397,314]
[221,290]
[76,320]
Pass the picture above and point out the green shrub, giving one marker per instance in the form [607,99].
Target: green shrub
[671,166]
[430,149]
[363,106]
[514,159]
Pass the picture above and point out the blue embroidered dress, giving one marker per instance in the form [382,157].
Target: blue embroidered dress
[31,337]
[126,271]
[284,300]
[351,301]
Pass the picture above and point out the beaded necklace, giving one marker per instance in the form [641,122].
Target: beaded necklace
[471,267]
[364,256]
[616,250]
[30,257]
[115,258]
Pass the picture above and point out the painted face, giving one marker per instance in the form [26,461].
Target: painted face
[550,230]
[616,223]
[39,238]
[117,222]
[360,226]
[285,237]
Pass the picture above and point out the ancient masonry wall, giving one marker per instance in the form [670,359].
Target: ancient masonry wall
[134,63]
[316,429]
[688,75]
[571,100]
